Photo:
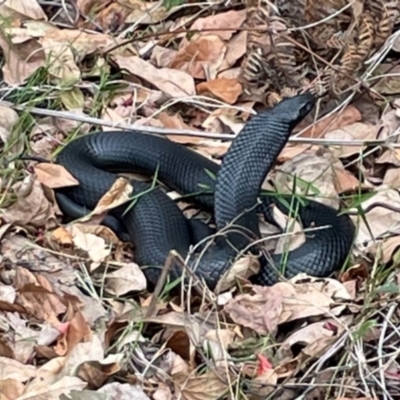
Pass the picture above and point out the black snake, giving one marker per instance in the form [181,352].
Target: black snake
[155,223]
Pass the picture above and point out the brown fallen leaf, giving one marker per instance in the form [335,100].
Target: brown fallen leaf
[97,372]
[162,57]
[261,311]
[77,330]
[389,248]
[32,206]
[96,247]
[11,389]
[227,90]
[128,278]
[392,178]
[267,307]
[379,220]
[390,122]
[207,386]
[23,58]
[345,118]
[388,83]
[313,175]
[54,176]
[22,8]
[8,118]
[205,53]
[356,131]
[389,156]
[316,338]
[243,268]
[117,390]
[346,182]
[62,386]
[37,297]
[230,20]
[12,369]
[172,82]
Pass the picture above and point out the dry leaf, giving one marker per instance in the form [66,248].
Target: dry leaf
[173,83]
[22,8]
[8,118]
[230,20]
[129,278]
[119,193]
[380,220]
[315,338]
[117,390]
[345,181]
[242,268]
[11,389]
[12,369]
[261,311]
[207,386]
[227,90]
[236,49]
[96,247]
[348,116]
[54,176]
[32,206]
[356,131]
[162,57]
[270,306]
[37,296]
[202,54]
[389,247]
[313,175]
[63,386]
[22,59]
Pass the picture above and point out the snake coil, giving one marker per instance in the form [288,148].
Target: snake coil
[156,225]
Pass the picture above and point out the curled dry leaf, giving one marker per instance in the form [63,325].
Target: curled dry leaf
[97,372]
[96,247]
[8,118]
[22,59]
[117,390]
[259,311]
[37,296]
[333,122]
[129,278]
[205,53]
[119,193]
[230,20]
[379,220]
[390,122]
[315,338]
[22,8]
[32,206]
[309,174]
[62,386]
[11,389]
[227,90]
[236,49]
[243,268]
[268,307]
[207,386]
[54,176]
[389,248]
[162,57]
[172,82]
[356,131]
[12,369]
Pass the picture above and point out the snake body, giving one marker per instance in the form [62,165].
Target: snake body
[155,223]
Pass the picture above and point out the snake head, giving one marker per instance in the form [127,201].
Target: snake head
[293,109]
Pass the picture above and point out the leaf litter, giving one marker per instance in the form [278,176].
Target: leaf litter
[76,317]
